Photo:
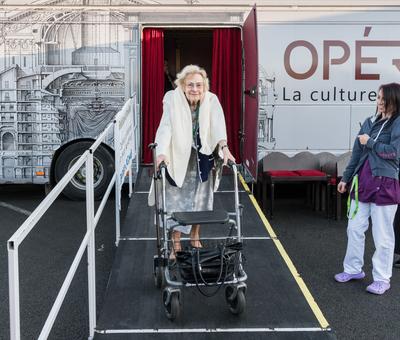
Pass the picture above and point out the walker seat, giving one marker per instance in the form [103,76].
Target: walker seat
[201,217]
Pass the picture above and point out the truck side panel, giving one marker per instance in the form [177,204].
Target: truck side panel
[319,79]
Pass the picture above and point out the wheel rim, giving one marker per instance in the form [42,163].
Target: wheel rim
[79,179]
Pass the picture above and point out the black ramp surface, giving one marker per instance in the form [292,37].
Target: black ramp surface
[274,300]
[273,297]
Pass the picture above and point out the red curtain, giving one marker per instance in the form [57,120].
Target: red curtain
[152,87]
[226,81]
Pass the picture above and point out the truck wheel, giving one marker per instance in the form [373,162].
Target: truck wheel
[103,170]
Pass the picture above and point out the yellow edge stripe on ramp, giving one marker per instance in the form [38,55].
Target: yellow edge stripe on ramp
[309,298]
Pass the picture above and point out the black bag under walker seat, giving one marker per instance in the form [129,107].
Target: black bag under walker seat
[209,266]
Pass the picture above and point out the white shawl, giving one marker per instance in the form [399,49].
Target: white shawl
[174,134]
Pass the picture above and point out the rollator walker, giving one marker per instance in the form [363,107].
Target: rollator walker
[208,268]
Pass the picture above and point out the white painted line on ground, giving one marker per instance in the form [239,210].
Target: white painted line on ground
[137,238]
[217,192]
[187,239]
[13,207]
[227,191]
[212,330]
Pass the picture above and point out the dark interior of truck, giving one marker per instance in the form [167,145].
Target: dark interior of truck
[188,46]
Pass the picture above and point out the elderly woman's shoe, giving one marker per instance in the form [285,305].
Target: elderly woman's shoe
[345,277]
[378,287]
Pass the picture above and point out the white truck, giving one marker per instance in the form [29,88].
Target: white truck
[308,74]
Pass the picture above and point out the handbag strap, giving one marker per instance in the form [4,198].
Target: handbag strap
[203,292]
[220,269]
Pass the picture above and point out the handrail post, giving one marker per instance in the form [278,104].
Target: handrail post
[91,244]
[237,204]
[13,270]
[130,179]
[132,136]
[117,218]
[117,184]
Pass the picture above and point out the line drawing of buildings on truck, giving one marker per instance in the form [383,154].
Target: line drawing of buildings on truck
[267,101]
[62,76]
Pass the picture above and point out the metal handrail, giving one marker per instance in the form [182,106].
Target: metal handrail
[33,218]
[87,242]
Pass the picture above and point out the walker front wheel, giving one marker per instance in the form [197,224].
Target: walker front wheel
[236,300]
[171,305]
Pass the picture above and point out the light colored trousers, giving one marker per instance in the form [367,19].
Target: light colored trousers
[382,231]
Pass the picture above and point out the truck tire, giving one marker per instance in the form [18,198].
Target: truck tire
[103,170]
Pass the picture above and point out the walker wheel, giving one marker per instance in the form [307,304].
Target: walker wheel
[158,276]
[172,307]
[236,302]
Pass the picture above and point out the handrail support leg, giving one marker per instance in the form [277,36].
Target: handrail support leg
[91,245]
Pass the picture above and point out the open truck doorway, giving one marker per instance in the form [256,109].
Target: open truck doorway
[216,49]
[188,46]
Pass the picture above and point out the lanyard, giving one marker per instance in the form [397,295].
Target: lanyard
[380,130]
[354,185]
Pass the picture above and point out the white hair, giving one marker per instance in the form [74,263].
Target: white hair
[188,70]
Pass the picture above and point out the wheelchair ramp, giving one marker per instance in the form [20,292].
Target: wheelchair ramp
[277,308]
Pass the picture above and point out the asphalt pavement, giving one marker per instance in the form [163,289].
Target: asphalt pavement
[45,257]
[315,244]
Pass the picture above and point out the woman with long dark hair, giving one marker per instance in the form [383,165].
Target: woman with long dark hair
[372,176]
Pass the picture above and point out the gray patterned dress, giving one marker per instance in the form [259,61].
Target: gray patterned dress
[194,195]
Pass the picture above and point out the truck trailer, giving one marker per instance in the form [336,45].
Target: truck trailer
[290,75]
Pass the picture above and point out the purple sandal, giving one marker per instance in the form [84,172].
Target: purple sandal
[378,287]
[345,277]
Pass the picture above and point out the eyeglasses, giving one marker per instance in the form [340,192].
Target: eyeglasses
[195,85]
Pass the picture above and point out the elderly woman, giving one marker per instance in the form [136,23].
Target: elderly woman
[373,172]
[191,128]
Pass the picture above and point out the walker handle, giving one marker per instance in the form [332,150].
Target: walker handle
[231,164]
[153,147]
[162,165]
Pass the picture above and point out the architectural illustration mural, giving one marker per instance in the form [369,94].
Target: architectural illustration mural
[267,100]
[62,76]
